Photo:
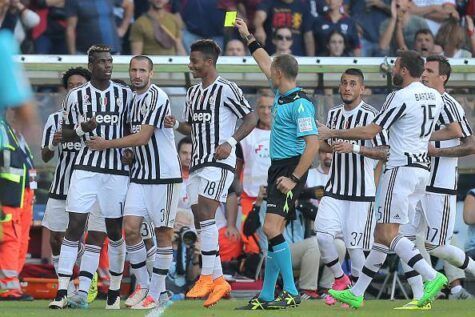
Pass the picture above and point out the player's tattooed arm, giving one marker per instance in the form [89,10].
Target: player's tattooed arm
[451,131]
[376,153]
[466,147]
[248,124]
[366,132]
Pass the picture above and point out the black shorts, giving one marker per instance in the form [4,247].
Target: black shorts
[277,202]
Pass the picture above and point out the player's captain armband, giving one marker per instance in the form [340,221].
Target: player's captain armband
[305,124]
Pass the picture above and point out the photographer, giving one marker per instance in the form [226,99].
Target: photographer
[185,267]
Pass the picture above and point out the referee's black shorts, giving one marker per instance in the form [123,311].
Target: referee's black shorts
[277,202]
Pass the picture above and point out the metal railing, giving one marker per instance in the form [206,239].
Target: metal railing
[314,72]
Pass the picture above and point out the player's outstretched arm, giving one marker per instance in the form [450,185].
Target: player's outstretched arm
[376,153]
[466,147]
[366,132]
[135,139]
[182,127]
[260,55]
[451,131]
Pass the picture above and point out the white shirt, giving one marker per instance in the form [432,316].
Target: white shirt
[409,115]
[255,149]
[443,178]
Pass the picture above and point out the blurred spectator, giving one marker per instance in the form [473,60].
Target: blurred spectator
[282,40]
[254,160]
[235,48]
[318,176]
[157,32]
[318,7]
[334,19]
[49,36]
[336,46]
[92,21]
[229,239]
[184,148]
[398,32]
[470,32]
[202,19]
[424,42]
[17,18]
[435,12]
[368,15]
[293,14]
[124,11]
[247,9]
[451,37]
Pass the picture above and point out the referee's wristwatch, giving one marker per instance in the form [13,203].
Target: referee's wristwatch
[294,178]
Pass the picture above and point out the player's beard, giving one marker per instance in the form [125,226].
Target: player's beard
[346,101]
[327,163]
[397,80]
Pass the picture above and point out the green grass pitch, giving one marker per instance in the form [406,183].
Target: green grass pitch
[225,308]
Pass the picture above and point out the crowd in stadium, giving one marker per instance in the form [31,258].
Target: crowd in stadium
[302,27]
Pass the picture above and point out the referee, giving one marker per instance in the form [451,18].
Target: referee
[293,146]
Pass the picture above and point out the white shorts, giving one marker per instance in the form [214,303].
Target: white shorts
[436,217]
[210,182]
[146,230]
[88,188]
[352,220]
[57,219]
[156,203]
[401,188]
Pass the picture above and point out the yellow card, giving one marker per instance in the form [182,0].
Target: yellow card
[230,18]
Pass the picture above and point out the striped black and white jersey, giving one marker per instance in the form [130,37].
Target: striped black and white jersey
[443,178]
[351,175]
[212,113]
[110,108]
[66,155]
[157,162]
[409,115]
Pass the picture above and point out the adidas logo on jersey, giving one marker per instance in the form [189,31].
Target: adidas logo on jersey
[111,118]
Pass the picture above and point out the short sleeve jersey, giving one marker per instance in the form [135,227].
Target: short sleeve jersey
[409,115]
[293,117]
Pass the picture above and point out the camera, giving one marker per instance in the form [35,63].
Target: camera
[187,236]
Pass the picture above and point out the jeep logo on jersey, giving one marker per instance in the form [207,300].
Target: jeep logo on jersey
[110,118]
[71,146]
[135,127]
[201,116]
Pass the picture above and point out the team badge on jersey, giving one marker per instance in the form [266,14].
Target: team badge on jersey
[85,100]
[212,100]
[118,102]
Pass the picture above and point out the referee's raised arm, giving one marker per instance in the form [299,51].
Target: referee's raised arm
[260,55]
